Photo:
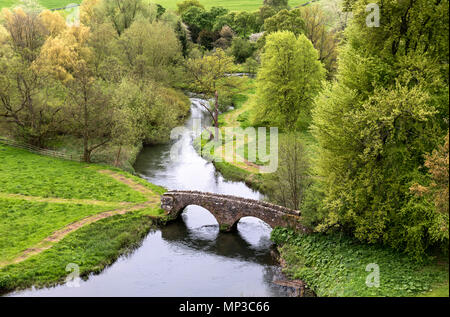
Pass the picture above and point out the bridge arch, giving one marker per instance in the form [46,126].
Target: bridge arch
[228,210]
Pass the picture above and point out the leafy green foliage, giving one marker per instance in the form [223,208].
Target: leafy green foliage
[74,80]
[375,123]
[335,265]
[285,20]
[241,49]
[289,79]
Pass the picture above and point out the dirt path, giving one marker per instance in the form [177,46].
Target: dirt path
[130,183]
[47,243]
[50,241]
[64,200]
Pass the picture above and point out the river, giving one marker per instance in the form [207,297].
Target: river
[188,257]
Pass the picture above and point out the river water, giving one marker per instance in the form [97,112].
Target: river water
[188,257]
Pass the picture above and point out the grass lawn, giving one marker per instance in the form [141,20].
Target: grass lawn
[53,212]
[29,174]
[232,5]
[27,223]
[92,247]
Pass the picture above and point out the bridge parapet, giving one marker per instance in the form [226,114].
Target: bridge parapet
[236,198]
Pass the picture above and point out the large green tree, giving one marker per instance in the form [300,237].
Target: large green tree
[289,78]
[374,125]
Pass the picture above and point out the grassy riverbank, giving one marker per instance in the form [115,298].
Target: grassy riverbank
[335,265]
[55,212]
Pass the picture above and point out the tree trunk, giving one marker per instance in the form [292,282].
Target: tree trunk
[118,156]
[87,152]
[216,117]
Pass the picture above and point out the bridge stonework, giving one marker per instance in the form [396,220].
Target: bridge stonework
[228,210]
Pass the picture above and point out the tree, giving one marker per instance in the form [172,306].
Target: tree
[241,49]
[245,23]
[285,20]
[289,78]
[183,35]
[226,37]
[89,113]
[90,13]
[210,75]
[27,101]
[224,20]
[26,31]
[182,7]
[27,104]
[122,13]
[288,184]
[207,39]
[278,4]
[251,65]
[438,167]
[197,19]
[264,13]
[150,50]
[374,125]
[324,40]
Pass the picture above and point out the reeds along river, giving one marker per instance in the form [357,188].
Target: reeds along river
[189,257]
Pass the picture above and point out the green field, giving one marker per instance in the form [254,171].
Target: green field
[48,203]
[233,5]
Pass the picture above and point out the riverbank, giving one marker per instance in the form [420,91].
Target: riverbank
[336,265]
[57,212]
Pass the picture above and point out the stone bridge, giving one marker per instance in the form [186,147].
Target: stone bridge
[228,210]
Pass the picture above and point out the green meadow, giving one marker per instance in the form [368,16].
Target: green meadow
[48,203]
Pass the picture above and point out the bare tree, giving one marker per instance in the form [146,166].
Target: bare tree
[288,183]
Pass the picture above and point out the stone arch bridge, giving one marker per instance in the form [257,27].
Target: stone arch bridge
[228,210]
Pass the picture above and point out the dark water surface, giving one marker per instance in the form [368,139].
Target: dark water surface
[188,257]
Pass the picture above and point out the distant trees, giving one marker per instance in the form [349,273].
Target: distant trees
[186,4]
[278,4]
[226,37]
[150,50]
[324,38]
[205,25]
[285,20]
[288,80]
[107,84]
